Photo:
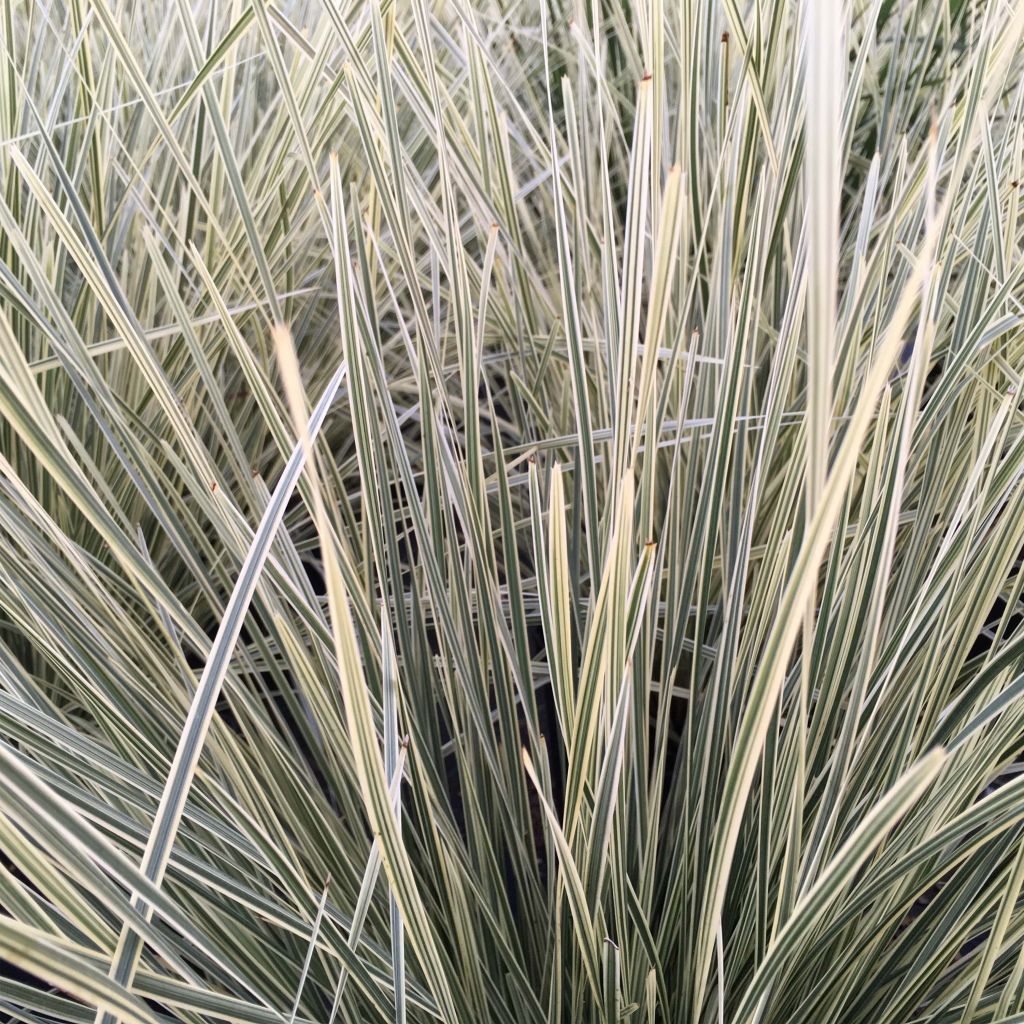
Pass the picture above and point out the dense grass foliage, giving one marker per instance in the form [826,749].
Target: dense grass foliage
[511,512]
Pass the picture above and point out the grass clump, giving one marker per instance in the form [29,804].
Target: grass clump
[511,512]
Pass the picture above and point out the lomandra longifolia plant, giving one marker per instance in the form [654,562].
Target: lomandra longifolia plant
[511,512]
